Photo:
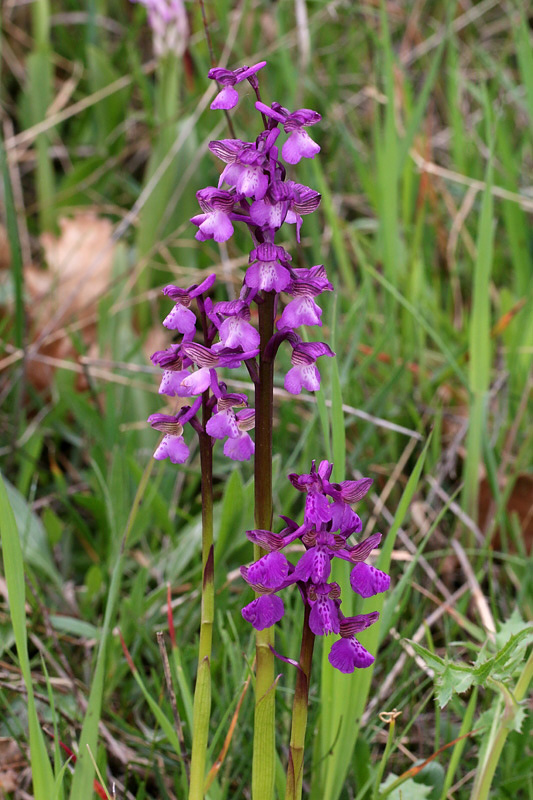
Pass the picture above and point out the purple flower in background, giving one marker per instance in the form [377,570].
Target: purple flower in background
[229,97]
[170,28]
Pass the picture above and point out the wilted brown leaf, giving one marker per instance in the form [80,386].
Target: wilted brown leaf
[79,263]
[11,761]
[520,502]
[5,251]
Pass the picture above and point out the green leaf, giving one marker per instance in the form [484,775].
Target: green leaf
[408,790]
[432,776]
[33,538]
[43,779]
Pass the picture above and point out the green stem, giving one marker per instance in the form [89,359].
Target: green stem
[486,771]
[293,789]
[383,763]
[263,765]
[202,691]
[40,83]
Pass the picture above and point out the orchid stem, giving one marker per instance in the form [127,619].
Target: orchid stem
[263,765]
[202,691]
[300,704]
[487,769]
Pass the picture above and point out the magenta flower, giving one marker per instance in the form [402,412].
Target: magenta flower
[299,144]
[215,223]
[264,612]
[181,318]
[348,654]
[229,97]
[241,447]
[267,272]
[368,581]
[269,572]
[285,201]
[325,604]
[303,310]
[236,331]
[324,534]
[245,164]
[304,372]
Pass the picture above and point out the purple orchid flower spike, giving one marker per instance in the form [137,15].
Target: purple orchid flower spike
[264,611]
[236,330]
[172,445]
[368,581]
[174,370]
[267,271]
[181,318]
[285,201]
[302,310]
[269,572]
[325,604]
[304,372]
[224,423]
[215,223]
[241,448]
[246,164]
[299,144]
[228,78]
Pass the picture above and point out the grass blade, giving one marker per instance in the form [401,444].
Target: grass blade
[84,772]
[43,779]
[480,350]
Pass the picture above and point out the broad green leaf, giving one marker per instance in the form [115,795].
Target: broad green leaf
[33,538]
[408,790]
[43,779]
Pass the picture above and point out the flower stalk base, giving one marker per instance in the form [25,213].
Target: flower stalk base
[263,764]
[295,766]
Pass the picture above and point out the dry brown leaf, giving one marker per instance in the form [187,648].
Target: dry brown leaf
[79,263]
[520,502]
[11,762]
[5,250]
[157,339]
